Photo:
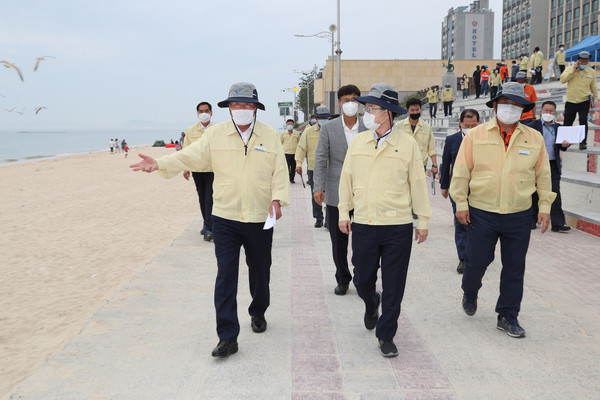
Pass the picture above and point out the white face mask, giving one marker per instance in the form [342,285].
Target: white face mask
[466,130]
[508,113]
[204,117]
[548,117]
[350,108]
[369,121]
[290,127]
[321,122]
[242,117]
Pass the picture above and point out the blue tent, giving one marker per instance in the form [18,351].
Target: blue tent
[590,43]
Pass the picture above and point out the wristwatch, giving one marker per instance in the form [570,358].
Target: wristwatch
[433,165]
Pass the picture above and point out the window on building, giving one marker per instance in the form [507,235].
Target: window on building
[594,28]
[585,31]
[560,3]
[559,20]
[568,16]
[553,4]
[576,13]
[586,9]
[551,45]
[575,35]
[553,23]
[559,38]
[568,38]
[594,6]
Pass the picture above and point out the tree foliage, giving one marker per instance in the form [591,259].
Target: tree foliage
[305,103]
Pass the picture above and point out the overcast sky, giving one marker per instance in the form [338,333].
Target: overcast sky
[123,60]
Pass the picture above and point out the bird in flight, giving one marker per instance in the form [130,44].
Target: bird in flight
[38,109]
[8,64]
[37,62]
[11,110]
[21,112]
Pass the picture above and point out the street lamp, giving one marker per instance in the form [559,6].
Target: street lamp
[326,35]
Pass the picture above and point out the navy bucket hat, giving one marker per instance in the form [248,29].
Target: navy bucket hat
[385,96]
[515,92]
[244,92]
[322,112]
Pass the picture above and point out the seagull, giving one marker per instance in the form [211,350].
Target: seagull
[8,64]
[21,112]
[11,110]
[38,109]
[37,63]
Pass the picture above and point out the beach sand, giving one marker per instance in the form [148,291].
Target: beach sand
[74,230]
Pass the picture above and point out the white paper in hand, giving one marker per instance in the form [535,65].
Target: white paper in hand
[572,134]
[271,220]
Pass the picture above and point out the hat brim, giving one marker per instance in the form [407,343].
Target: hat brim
[225,103]
[517,99]
[323,115]
[395,108]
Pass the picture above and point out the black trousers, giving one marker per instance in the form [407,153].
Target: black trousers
[317,209]
[447,108]
[562,68]
[339,246]
[493,91]
[557,215]
[477,89]
[390,247]
[204,187]
[571,109]
[291,162]
[514,231]
[432,109]
[229,237]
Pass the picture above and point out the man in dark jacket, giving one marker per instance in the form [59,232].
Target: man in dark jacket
[468,119]
[549,128]
[477,81]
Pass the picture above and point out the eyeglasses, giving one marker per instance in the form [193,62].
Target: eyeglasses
[371,108]
[348,101]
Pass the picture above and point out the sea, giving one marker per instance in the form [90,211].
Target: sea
[18,146]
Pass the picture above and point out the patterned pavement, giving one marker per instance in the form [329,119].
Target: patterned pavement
[152,340]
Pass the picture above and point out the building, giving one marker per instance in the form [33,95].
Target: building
[468,32]
[525,26]
[571,21]
[407,76]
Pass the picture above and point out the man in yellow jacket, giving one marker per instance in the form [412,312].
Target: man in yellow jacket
[447,99]
[307,146]
[499,166]
[581,88]
[537,58]
[202,180]
[383,181]
[289,141]
[251,183]
[559,58]
[421,131]
[432,100]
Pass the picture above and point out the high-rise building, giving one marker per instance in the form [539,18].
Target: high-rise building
[468,32]
[571,21]
[524,27]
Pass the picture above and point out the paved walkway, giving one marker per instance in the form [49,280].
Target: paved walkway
[153,339]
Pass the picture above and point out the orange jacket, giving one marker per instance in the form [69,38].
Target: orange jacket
[485,75]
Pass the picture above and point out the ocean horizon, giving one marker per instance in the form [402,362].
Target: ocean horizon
[25,145]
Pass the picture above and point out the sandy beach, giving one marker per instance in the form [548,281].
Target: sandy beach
[74,230]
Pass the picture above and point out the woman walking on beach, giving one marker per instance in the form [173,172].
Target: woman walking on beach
[125,148]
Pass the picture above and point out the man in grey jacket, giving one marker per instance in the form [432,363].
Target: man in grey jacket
[329,158]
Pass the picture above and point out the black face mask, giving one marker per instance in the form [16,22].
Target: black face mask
[415,116]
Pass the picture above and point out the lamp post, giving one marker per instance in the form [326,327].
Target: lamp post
[327,35]
[338,51]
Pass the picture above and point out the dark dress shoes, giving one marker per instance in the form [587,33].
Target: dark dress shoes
[259,323]
[341,289]
[461,267]
[560,228]
[371,319]
[225,348]
[319,223]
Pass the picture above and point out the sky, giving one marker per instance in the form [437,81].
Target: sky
[119,61]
